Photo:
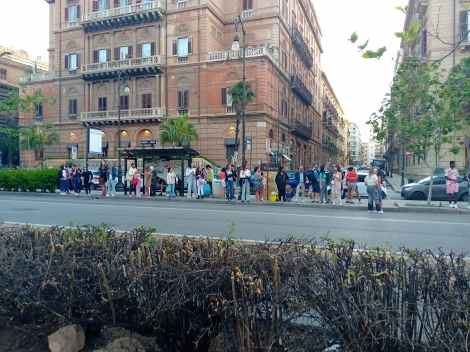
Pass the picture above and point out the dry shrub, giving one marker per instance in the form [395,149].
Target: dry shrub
[188,293]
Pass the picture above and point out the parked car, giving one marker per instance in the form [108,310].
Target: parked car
[420,189]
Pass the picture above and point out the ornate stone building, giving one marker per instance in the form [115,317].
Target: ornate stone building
[158,59]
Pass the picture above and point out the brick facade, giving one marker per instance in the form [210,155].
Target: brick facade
[283,40]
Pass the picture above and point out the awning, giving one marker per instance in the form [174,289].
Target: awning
[176,153]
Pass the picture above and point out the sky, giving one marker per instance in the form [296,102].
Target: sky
[359,84]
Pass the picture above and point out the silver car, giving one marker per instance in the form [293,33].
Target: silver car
[420,189]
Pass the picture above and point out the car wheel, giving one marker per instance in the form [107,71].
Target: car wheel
[464,197]
[417,196]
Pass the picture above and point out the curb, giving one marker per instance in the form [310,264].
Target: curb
[392,209]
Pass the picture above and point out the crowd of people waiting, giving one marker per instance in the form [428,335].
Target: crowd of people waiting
[321,185]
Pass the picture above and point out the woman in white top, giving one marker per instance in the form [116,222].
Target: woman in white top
[245,175]
[373,188]
[171,180]
[130,178]
[337,183]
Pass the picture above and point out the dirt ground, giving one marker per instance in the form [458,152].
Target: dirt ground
[23,339]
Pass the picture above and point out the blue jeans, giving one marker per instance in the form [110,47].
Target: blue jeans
[230,191]
[170,191]
[323,193]
[374,196]
[245,189]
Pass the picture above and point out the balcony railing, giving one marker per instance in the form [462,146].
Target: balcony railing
[123,16]
[301,130]
[299,88]
[237,54]
[37,77]
[132,67]
[127,116]
[301,47]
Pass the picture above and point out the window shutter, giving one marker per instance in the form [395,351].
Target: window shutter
[78,61]
[117,3]
[66,61]
[66,14]
[117,53]
[224,96]
[108,55]
[78,12]
[130,49]
[152,49]
[464,25]
[175,48]
[180,99]
[186,98]
[95,56]
[190,45]
[95,5]
[139,50]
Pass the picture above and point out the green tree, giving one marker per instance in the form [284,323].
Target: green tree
[9,132]
[416,113]
[38,137]
[178,132]
[242,95]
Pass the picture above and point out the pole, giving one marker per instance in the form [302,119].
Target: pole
[87,148]
[119,130]
[403,157]
[244,95]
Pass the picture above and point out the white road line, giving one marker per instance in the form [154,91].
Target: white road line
[376,217]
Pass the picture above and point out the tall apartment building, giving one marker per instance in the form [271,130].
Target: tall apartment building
[158,59]
[445,25]
[14,65]
[333,139]
[354,144]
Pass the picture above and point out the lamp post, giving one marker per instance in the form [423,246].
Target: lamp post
[125,89]
[236,46]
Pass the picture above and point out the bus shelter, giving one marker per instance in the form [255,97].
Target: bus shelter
[183,154]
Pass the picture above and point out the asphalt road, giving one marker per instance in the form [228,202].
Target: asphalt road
[253,222]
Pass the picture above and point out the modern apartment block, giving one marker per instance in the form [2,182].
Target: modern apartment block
[445,37]
[14,65]
[159,59]
[354,144]
[334,142]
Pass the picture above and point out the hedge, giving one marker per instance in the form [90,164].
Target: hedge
[29,180]
[191,293]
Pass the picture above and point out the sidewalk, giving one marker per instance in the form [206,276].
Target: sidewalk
[394,183]
[396,206]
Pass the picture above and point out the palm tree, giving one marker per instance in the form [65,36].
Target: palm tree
[178,132]
[242,95]
[38,137]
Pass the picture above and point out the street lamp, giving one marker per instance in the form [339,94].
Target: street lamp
[122,86]
[236,45]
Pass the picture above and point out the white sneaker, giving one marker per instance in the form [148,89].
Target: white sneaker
[381,212]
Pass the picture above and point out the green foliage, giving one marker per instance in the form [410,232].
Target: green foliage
[24,103]
[38,137]
[242,95]
[456,91]
[377,54]
[178,132]
[412,34]
[29,180]
[354,37]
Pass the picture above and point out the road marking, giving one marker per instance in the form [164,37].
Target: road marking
[165,207]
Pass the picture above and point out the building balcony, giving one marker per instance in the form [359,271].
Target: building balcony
[301,130]
[299,88]
[102,118]
[225,55]
[37,77]
[123,16]
[128,67]
[301,47]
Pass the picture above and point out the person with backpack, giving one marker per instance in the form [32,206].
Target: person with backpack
[315,184]
[323,181]
[302,182]
[171,180]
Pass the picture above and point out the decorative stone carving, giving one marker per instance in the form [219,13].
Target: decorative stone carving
[101,40]
[71,45]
